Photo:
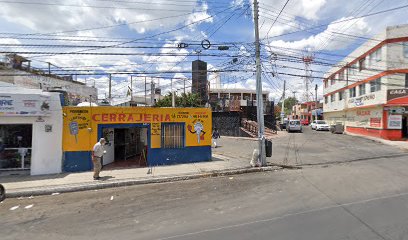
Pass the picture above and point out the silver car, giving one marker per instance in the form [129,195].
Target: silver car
[294,125]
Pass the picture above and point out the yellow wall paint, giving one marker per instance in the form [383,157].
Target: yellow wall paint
[81,124]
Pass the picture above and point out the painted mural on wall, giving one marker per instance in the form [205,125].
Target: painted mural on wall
[369,118]
[198,124]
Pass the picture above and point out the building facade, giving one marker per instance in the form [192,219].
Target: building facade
[149,136]
[30,131]
[369,94]
[27,77]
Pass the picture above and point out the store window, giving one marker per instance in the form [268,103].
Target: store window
[15,146]
[172,135]
[375,85]
[362,89]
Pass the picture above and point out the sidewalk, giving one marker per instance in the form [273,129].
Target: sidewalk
[403,145]
[19,186]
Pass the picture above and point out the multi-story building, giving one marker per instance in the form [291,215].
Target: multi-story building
[305,112]
[368,90]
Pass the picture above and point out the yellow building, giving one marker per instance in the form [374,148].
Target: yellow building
[150,136]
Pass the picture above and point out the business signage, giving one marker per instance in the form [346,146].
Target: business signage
[394,121]
[24,105]
[361,101]
[396,93]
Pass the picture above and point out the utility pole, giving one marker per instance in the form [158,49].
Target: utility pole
[49,68]
[131,88]
[152,90]
[110,88]
[259,97]
[145,92]
[283,102]
[316,102]
[184,86]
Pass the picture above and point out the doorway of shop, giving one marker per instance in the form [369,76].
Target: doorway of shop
[405,126]
[127,145]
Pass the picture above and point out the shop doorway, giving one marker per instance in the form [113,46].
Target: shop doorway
[405,126]
[126,146]
[15,146]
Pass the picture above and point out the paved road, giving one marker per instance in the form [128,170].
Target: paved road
[311,147]
[359,200]
[352,200]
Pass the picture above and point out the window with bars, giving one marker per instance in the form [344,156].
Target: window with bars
[172,135]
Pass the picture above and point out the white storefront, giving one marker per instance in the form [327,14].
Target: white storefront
[30,130]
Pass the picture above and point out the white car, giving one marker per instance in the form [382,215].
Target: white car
[322,126]
[313,125]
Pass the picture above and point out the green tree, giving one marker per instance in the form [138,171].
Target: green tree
[289,103]
[184,100]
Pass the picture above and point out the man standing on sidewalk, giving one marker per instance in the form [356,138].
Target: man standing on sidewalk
[97,153]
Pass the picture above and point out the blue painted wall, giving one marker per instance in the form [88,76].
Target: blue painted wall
[77,161]
[167,156]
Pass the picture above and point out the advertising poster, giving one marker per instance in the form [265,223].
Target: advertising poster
[395,122]
[24,105]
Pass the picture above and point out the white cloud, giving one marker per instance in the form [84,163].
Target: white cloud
[199,16]
[52,18]
[326,40]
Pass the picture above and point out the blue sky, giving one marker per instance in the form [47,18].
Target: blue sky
[156,26]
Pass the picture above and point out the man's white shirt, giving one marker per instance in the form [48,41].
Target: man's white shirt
[98,150]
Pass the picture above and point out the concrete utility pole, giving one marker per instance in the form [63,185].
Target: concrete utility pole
[259,97]
[283,102]
[316,102]
[110,88]
[145,92]
[131,88]
[152,87]
[49,68]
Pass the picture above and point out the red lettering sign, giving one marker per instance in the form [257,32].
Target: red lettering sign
[129,117]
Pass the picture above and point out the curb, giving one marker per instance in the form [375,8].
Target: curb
[378,140]
[129,182]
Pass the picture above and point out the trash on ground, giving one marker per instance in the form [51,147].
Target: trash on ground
[111,198]
[29,206]
[56,193]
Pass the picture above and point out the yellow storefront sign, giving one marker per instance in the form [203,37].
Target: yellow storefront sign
[81,124]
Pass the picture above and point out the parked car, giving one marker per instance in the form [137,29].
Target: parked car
[294,125]
[322,125]
[284,124]
[313,124]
